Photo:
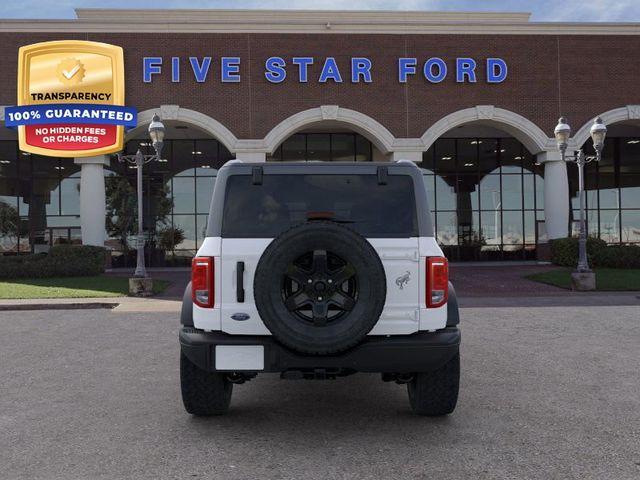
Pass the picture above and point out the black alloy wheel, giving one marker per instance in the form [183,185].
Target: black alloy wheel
[320,287]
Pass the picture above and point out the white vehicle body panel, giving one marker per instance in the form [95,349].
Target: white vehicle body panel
[405,268]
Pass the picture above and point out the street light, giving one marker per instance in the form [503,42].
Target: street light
[562,133]
[156,133]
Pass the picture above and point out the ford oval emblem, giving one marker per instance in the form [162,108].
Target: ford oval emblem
[240,317]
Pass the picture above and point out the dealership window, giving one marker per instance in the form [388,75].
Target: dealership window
[326,147]
[612,192]
[486,195]
[39,201]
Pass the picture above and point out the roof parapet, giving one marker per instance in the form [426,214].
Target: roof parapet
[297,16]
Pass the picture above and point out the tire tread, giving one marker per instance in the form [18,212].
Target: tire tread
[436,393]
[203,393]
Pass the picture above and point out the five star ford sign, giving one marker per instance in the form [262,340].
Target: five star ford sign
[71,99]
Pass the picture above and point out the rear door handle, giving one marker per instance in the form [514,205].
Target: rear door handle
[240,282]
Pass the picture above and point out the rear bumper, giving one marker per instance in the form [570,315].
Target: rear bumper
[420,352]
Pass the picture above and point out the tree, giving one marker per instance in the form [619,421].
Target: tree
[122,208]
[169,237]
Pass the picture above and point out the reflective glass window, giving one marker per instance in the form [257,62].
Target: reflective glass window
[467,154]
[609,226]
[445,194]
[491,224]
[630,222]
[630,190]
[204,189]
[511,192]
[182,158]
[343,147]
[70,196]
[511,155]
[490,195]
[487,155]
[447,228]
[294,148]
[187,223]
[184,195]
[319,147]
[512,228]
[445,157]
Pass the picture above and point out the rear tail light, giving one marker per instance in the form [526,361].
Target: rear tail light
[437,281]
[202,281]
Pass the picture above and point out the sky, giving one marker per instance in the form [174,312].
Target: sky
[542,10]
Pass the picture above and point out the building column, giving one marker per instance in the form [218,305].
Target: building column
[93,208]
[556,195]
[251,156]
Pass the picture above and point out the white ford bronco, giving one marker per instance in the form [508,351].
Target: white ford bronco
[316,271]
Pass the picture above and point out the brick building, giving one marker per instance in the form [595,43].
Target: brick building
[472,98]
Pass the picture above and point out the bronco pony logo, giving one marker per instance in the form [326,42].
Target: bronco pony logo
[402,280]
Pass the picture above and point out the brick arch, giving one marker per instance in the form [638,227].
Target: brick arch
[527,132]
[616,115]
[374,131]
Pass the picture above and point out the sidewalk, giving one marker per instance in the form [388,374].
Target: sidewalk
[116,304]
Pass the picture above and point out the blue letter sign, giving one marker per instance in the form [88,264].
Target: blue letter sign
[200,71]
[496,70]
[360,67]
[323,70]
[441,67]
[331,71]
[275,69]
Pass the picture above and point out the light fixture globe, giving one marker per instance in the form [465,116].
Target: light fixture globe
[598,133]
[156,129]
[156,133]
[562,133]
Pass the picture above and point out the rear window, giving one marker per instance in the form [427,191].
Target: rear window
[282,201]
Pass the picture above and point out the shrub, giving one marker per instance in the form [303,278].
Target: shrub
[61,261]
[169,237]
[564,252]
[618,256]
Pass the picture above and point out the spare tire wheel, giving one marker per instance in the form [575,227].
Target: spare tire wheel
[320,288]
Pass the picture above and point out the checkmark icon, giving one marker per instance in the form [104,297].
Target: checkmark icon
[71,73]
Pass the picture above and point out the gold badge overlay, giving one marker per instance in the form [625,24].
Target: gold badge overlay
[75,67]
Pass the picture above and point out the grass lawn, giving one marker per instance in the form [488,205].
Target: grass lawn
[70,287]
[610,279]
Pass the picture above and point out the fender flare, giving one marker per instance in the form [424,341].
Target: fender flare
[186,313]
[453,313]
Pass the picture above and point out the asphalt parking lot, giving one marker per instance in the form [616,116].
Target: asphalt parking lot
[549,392]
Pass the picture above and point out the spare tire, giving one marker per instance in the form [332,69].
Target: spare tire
[320,288]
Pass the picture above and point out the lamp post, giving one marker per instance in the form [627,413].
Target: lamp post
[562,133]
[156,133]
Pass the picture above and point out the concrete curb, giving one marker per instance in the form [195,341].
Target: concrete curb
[112,304]
[57,306]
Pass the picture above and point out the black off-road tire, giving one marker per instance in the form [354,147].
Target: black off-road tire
[354,325]
[203,393]
[436,393]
